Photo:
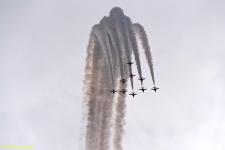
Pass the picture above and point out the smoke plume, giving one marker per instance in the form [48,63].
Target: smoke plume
[111,44]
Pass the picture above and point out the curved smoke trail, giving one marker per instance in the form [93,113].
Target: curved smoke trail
[144,39]
[102,38]
[111,44]
[134,45]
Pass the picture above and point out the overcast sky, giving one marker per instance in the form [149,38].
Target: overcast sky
[42,58]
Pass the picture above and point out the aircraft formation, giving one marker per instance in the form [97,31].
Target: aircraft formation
[114,48]
[131,76]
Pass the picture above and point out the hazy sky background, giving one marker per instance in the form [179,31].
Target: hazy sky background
[42,58]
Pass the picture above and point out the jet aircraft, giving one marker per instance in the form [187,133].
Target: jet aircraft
[141,79]
[123,80]
[131,76]
[130,63]
[113,91]
[143,89]
[123,91]
[133,94]
[154,88]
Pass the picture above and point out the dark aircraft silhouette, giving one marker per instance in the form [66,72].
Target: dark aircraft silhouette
[123,91]
[155,88]
[130,63]
[133,94]
[141,79]
[123,80]
[142,89]
[113,91]
[131,76]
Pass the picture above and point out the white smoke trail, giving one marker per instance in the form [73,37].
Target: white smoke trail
[98,31]
[99,102]
[133,42]
[144,39]
[111,28]
[105,111]
[91,93]
[105,100]
[119,121]
[122,30]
